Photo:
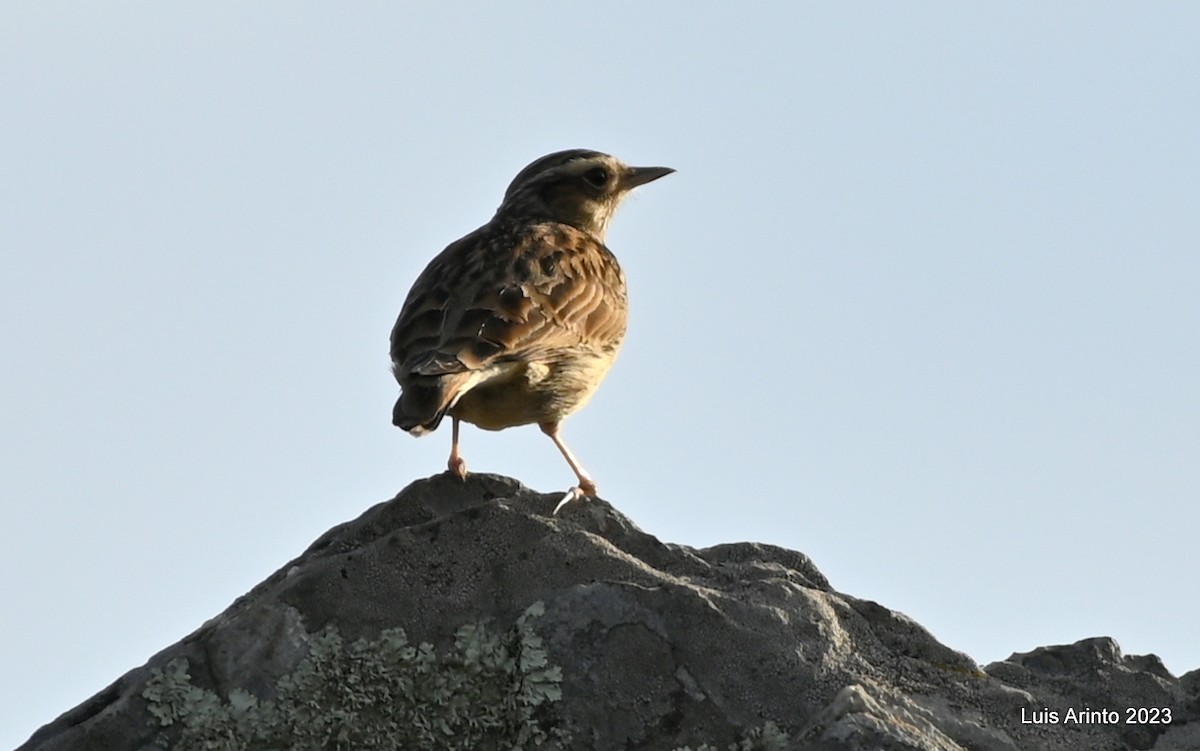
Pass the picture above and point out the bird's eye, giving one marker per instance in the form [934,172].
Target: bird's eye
[597,176]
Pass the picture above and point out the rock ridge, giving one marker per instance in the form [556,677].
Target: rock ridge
[607,638]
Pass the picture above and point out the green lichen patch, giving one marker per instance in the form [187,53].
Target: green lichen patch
[489,691]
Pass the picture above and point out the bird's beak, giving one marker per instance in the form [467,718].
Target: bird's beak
[641,175]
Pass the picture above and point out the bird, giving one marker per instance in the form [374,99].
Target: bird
[518,322]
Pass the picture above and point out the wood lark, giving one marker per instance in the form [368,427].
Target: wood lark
[519,321]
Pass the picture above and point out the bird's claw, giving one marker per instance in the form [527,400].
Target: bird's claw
[575,493]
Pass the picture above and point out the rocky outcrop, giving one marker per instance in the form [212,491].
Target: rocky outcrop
[464,615]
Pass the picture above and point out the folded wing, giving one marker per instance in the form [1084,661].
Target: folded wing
[491,299]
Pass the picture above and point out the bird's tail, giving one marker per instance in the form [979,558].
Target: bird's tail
[421,406]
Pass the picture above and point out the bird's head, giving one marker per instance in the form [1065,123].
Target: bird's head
[577,187]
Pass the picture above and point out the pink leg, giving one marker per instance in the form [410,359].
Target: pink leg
[457,465]
[586,487]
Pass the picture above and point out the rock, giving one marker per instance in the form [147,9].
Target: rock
[582,631]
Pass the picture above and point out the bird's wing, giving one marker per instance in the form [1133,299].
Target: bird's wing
[494,297]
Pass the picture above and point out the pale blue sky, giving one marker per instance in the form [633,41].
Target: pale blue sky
[921,300]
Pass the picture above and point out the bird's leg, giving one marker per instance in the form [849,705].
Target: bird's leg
[586,487]
[457,465]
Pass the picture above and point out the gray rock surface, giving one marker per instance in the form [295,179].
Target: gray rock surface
[661,646]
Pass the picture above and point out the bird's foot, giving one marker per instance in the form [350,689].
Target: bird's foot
[458,467]
[580,492]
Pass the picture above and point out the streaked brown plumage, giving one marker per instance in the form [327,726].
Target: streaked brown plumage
[519,321]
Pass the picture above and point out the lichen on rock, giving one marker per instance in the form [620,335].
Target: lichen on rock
[489,690]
